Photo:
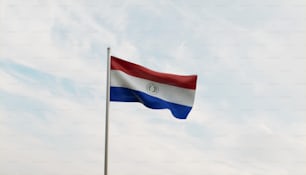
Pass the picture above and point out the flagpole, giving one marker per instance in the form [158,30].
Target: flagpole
[107,112]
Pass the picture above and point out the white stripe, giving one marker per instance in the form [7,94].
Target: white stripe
[166,92]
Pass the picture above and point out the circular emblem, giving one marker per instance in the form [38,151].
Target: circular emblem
[152,88]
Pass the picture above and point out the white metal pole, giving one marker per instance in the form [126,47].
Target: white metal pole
[107,112]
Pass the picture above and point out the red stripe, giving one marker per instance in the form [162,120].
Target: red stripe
[184,81]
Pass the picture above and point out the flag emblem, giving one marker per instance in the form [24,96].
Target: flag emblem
[152,88]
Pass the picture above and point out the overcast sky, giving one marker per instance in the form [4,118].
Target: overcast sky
[250,104]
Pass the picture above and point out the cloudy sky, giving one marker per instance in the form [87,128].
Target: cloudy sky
[250,104]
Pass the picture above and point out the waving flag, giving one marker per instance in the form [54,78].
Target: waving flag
[134,83]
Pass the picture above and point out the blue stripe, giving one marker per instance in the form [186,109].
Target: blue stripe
[127,95]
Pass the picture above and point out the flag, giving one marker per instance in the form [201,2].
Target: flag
[131,82]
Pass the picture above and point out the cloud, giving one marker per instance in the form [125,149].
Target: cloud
[248,116]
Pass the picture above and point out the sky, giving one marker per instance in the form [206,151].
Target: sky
[249,112]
